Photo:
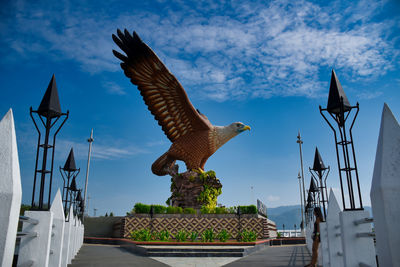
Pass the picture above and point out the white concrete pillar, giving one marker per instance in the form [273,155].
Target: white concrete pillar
[66,244]
[10,189]
[385,191]
[324,245]
[80,234]
[356,250]
[309,231]
[333,230]
[36,249]
[83,234]
[77,235]
[71,236]
[58,230]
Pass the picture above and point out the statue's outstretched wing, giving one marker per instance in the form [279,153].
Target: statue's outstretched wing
[161,91]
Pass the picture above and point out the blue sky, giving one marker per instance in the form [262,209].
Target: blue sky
[265,63]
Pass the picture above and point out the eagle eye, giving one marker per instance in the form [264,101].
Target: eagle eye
[238,125]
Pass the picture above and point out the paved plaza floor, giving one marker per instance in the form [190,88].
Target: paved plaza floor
[113,255]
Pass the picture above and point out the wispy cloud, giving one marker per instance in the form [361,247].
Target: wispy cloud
[273,198]
[99,151]
[369,95]
[218,50]
[155,143]
[114,88]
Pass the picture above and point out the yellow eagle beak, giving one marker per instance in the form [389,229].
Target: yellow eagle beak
[246,128]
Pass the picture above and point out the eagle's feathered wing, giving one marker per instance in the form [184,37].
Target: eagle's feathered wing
[161,91]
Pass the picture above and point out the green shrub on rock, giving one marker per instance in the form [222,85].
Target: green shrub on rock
[207,210]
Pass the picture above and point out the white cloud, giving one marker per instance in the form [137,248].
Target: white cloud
[155,143]
[370,95]
[114,88]
[248,50]
[99,151]
[273,198]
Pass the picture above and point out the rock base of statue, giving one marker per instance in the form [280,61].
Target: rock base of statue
[193,190]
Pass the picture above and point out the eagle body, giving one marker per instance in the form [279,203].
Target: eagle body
[194,139]
[194,149]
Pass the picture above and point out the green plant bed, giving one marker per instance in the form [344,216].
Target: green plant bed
[182,236]
[198,242]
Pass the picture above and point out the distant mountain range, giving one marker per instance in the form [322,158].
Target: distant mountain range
[289,215]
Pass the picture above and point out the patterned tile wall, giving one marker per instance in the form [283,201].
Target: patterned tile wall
[173,225]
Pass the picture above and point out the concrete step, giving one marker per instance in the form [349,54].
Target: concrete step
[196,251]
[175,249]
[195,254]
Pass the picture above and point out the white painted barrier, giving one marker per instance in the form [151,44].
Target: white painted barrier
[10,189]
[357,249]
[349,236]
[52,241]
[36,249]
[334,239]
[58,231]
[45,236]
[385,191]
[324,244]
[72,238]
[65,257]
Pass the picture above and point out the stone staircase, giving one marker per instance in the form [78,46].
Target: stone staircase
[196,251]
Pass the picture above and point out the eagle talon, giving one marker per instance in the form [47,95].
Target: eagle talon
[198,170]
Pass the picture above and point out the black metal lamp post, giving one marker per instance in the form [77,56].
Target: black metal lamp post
[82,208]
[309,206]
[67,172]
[78,201]
[49,112]
[339,109]
[319,170]
[315,193]
[72,196]
[73,189]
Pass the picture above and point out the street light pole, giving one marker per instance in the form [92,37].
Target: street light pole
[301,203]
[90,140]
[339,110]
[300,142]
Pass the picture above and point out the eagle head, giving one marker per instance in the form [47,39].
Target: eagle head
[239,127]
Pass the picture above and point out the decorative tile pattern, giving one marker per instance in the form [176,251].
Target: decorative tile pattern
[199,224]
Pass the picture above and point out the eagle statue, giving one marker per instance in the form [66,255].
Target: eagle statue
[194,139]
